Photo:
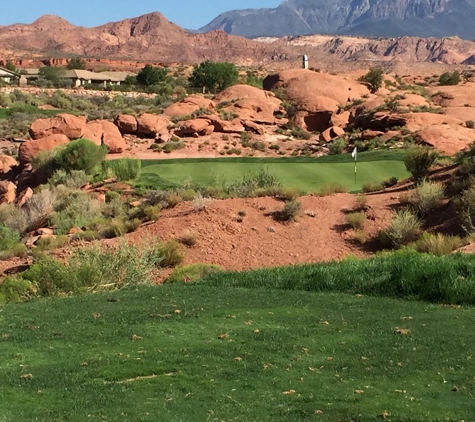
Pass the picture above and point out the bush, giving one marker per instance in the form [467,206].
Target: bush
[427,196]
[213,76]
[124,169]
[290,212]
[189,238]
[332,189]
[171,146]
[361,203]
[467,212]
[8,238]
[80,154]
[15,289]
[374,78]
[356,220]
[470,124]
[372,187]
[437,244]
[403,229]
[337,146]
[170,254]
[448,78]
[74,180]
[393,181]
[300,133]
[192,273]
[419,161]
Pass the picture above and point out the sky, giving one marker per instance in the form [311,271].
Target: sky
[189,14]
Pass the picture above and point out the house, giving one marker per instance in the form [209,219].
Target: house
[83,77]
[9,76]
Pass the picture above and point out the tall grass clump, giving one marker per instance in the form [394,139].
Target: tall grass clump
[193,273]
[427,196]
[403,229]
[356,219]
[437,244]
[404,274]
[124,169]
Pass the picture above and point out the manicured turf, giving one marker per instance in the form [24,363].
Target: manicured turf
[308,174]
[197,353]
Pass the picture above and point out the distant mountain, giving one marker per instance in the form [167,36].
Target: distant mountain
[375,18]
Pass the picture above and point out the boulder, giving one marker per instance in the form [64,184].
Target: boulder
[7,192]
[189,105]
[7,163]
[250,126]
[30,149]
[340,119]
[227,126]
[63,124]
[195,127]
[367,135]
[24,197]
[445,138]
[114,143]
[94,132]
[126,124]
[153,126]
[418,121]
[380,121]
[332,133]
[249,103]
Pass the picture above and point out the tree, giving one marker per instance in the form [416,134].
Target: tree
[214,76]
[52,74]
[150,75]
[76,63]
[448,78]
[11,67]
[374,78]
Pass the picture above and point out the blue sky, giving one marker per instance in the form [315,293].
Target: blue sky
[191,14]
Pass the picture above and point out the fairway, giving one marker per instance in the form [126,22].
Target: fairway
[198,353]
[304,173]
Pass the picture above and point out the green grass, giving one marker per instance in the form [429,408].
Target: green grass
[308,174]
[154,354]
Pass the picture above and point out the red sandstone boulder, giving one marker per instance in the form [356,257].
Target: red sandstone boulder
[226,126]
[195,127]
[126,124]
[24,197]
[7,192]
[63,124]
[6,163]
[189,105]
[30,149]
[114,143]
[153,126]
[332,133]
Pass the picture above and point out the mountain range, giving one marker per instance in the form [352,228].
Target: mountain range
[373,18]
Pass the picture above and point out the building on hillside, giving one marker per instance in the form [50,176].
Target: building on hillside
[10,77]
[84,77]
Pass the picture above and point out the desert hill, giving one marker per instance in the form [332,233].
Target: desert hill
[152,38]
[377,18]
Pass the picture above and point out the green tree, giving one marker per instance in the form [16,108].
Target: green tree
[76,63]
[11,67]
[448,78]
[52,74]
[419,161]
[150,75]
[214,76]
[374,78]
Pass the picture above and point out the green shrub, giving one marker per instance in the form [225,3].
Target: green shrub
[389,183]
[448,78]
[171,255]
[169,147]
[192,273]
[437,244]
[427,196]
[372,187]
[374,78]
[152,212]
[470,124]
[300,133]
[403,229]
[8,238]
[467,209]
[80,154]
[356,219]
[419,161]
[15,289]
[337,146]
[289,213]
[124,169]
[73,180]
[331,189]
[361,203]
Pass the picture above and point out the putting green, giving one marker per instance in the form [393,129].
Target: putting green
[304,173]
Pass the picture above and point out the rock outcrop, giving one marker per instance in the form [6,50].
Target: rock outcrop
[153,126]
[7,162]
[63,124]
[7,192]
[30,149]
[189,105]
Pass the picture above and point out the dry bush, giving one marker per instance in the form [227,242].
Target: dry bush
[200,203]
[437,244]
[356,219]
[427,196]
[361,203]
[359,236]
[331,189]
[403,229]
[189,238]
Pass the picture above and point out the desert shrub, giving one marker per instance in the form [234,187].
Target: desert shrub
[337,146]
[467,209]
[356,219]
[132,225]
[8,238]
[86,235]
[437,244]
[448,78]
[374,78]
[300,133]
[419,161]
[288,194]
[15,289]
[169,147]
[52,243]
[290,211]
[152,212]
[361,203]
[192,273]
[44,161]
[470,124]
[403,229]
[124,169]
[427,196]
[466,160]
[114,206]
[331,189]
[359,237]
[200,203]
[171,255]
[389,183]
[189,238]
[372,187]
[77,209]
[73,180]
[110,229]
[258,146]
[80,154]
[245,138]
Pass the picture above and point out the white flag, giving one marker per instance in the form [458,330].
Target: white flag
[355,151]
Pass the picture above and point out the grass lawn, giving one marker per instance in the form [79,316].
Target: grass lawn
[308,174]
[203,353]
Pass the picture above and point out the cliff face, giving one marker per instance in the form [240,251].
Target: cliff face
[380,18]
